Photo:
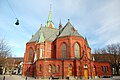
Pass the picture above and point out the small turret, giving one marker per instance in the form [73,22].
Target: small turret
[60,27]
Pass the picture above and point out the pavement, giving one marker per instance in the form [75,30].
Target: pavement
[19,77]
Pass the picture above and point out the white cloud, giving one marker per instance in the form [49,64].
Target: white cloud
[98,20]
[109,19]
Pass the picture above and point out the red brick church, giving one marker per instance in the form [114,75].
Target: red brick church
[61,53]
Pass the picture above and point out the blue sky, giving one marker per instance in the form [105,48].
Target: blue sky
[98,20]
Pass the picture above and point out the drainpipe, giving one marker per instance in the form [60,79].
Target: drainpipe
[62,68]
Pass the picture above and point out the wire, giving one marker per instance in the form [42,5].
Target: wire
[12,9]
[22,28]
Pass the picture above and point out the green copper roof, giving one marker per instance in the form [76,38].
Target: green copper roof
[49,21]
[50,16]
[41,38]
[45,33]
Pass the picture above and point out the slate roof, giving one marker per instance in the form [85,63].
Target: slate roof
[50,34]
[68,30]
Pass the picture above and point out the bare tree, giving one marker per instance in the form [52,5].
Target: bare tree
[5,50]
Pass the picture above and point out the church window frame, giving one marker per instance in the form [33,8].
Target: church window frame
[57,69]
[53,69]
[49,68]
[77,50]
[64,50]
[40,68]
[30,55]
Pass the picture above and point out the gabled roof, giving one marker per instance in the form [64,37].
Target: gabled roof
[68,30]
[50,34]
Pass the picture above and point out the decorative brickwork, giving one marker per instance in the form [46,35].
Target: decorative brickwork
[61,53]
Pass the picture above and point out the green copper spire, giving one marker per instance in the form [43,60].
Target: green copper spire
[49,21]
[50,15]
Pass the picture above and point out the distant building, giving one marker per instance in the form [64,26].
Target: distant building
[112,59]
[12,65]
[60,53]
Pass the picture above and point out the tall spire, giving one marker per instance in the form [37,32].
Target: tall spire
[60,27]
[49,21]
[50,14]
[60,24]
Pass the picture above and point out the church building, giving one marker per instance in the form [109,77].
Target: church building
[61,53]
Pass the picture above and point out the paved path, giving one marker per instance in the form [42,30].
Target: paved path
[18,77]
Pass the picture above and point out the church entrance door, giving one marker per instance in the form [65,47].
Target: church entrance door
[85,72]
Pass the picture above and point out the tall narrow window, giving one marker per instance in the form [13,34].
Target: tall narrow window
[53,69]
[102,68]
[30,55]
[77,50]
[40,69]
[49,68]
[41,50]
[38,53]
[57,68]
[107,68]
[64,51]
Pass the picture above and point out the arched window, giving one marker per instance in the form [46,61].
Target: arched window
[64,51]
[30,55]
[40,69]
[77,50]
[57,68]
[49,68]
[53,69]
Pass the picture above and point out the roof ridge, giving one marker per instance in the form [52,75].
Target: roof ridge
[69,29]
